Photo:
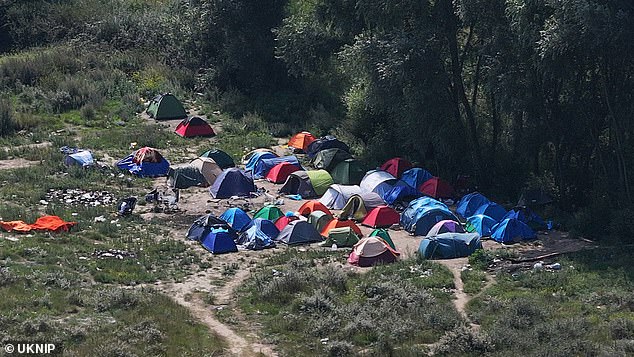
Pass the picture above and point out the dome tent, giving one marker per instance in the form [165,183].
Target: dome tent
[221,158]
[166,106]
[371,251]
[236,218]
[299,232]
[232,182]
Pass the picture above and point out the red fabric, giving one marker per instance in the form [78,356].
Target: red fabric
[381,216]
[45,223]
[279,173]
[436,188]
[187,129]
[396,166]
[335,223]
[146,154]
[311,206]
[283,221]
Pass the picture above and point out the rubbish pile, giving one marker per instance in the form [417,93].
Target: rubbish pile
[75,196]
[113,253]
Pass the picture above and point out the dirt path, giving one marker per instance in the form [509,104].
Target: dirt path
[44,144]
[16,163]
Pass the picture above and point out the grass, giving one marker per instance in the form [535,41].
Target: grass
[301,298]
[474,281]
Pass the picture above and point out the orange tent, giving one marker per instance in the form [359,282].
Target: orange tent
[335,223]
[311,206]
[301,140]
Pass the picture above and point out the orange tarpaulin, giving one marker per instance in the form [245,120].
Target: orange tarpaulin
[45,223]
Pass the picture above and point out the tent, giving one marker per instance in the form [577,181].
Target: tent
[219,241]
[208,168]
[383,234]
[512,230]
[232,182]
[396,166]
[185,176]
[424,202]
[342,237]
[437,188]
[323,143]
[401,192]
[319,220]
[327,159]
[416,176]
[236,218]
[347,172]
[301,140]
[337,195]
[372,251]
[166,106]
[311,206]
[299,232]
[527,216]
[194,126]
[254,238]
[279,173]
[382,216]
[534,197]
[357,206]
[265,226]
[480,224]
[203,224]
[283,221]
[377,181]
[467,206]
[81,158]
[221,158]
[492,210]
[298,183]
[336,223]
[449,245]
[256,157]
[145,162]
[320,180]
[444,227]
[250,154]
[269,212]
[263,166]
[420,220]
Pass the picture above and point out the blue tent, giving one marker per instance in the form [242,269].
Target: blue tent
[512,230]
[236,218]
[263,166]
[145,162]
[419,221]
[232,182]
[265,226]
[470,203]
[256,157]
[254,238]
[449,245]
[527,216]
[81,158]
[416,176]
[492,210]
[219,241]
[202,225]
[426,201]
[480,224]
[401,192]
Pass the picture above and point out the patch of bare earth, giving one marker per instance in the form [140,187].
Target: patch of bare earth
[16,163]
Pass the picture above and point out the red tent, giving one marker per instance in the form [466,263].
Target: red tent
[279,173]
[396,166]
[194,126]
[283,221]
[436,188]
[301,140]
[381,216]
[335,223]
[311,206]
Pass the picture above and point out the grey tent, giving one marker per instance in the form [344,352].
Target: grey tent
[319,220]
[337,195]
[299,232]
[185,176]
[359,205]
[329,158]
[299,183]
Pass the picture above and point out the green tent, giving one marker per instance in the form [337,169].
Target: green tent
[166,106]
[319,219]
[329,158]
[184,177]
[320,180]
[354,209]
[220,157]
[348,172]
[342,237]
[270,212]
[383,234]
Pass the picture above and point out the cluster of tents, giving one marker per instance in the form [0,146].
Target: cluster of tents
[270,226]
[166,106]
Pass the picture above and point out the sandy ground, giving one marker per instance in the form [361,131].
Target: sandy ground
[16,163]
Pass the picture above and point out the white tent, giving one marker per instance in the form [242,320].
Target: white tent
[337,195]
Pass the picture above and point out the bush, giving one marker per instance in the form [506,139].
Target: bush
[7,121]
[463,340]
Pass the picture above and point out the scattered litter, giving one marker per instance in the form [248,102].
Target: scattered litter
[333,247]
[80,197]
[100,219]
[295,197]
[83,258]
[43,202]
[324,341]
[538,266]
[555,266]
[279,202]
[113,253]
[126,206]
[74,214]
[12,239]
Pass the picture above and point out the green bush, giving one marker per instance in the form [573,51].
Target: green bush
[7,121]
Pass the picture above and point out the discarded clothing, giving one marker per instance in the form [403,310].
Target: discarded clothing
[45,223]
